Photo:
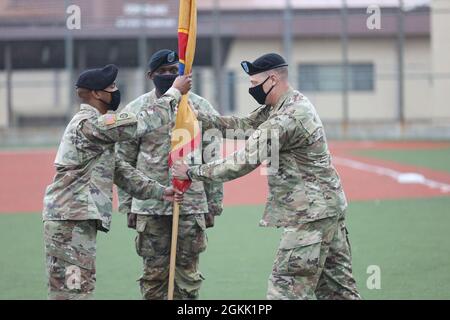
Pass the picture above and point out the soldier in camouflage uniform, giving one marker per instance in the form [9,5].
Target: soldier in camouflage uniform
[305,193]
[79,201]
[152,218]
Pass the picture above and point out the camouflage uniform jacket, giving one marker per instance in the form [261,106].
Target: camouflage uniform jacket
[150,153]
[306,187]
[86,166]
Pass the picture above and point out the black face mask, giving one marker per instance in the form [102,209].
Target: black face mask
[257,92]
[164,82]
[115,100]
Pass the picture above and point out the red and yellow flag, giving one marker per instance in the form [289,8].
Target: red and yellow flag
[186,135]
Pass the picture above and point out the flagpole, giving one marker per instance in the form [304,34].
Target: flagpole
[187,25]
[173,250]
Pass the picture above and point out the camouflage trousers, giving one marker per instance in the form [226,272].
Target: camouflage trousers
[313,261]
[70,249]
[153,245]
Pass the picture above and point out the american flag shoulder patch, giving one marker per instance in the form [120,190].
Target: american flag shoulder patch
[109,119]
[112,120]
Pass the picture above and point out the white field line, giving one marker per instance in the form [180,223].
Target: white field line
[400,177]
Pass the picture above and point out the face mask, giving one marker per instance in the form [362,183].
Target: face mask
[164,82]
[115,100]
[257,92]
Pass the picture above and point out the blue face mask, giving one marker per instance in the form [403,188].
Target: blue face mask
[257,92]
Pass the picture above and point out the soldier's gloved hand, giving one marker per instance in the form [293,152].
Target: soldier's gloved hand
[183,83]
[209,220]
[131,220]
[171,194]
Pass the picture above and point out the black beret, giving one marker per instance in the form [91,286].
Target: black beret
[162,58]
[98,79]
[264,63]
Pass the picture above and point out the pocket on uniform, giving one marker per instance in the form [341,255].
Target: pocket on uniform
[200,218]
[200,240]
[344,231]
[143,244]
[144,247]
[141,222]
[192,240]
[299,254]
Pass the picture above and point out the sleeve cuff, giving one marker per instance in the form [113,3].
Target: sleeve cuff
[194,173]
[174,93]
[215,210]
[202,116]
[158,192]
[206,119]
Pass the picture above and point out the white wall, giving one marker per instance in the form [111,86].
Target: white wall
[440,44]
[46,92]
[36,92]
[247,50]
[418,84]
[378,105]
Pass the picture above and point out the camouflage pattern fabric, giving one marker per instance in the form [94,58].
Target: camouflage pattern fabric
[86,166]
[305,196]
[153,245]
[79,201]
[149,154]
[305,187]
[70,249]
[313,261]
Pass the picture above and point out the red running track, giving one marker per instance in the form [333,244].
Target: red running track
[25,175]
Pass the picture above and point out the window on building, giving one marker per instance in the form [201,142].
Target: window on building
[329,77]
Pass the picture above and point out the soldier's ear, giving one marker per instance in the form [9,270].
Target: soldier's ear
[275,78]
[150,75]
[95,94]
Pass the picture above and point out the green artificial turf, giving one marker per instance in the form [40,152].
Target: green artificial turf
[437,159]
[407,239]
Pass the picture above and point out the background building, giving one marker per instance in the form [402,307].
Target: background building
[388,81]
